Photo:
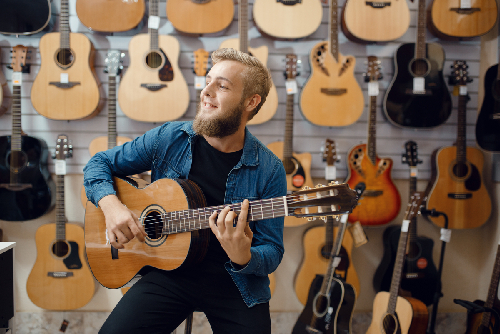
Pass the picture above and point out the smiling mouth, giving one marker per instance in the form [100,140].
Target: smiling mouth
[208,105]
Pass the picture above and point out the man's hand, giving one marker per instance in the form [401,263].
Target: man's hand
[122,225]
[235,240]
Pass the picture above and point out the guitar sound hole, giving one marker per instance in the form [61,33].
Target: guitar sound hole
[460,170]
[390,324]
[65,58]
[60,248]
[321,304]
[153,225]
[154,59]
[419,67]
[16,160]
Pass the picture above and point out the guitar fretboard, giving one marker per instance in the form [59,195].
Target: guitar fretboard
[60,209]
[492,290]
[243,25]
[112,111]
[15,144]
[372,130]
[396,274]
[421,30]
[288,141]
[461,131]
[333,33]
[153,32]
[64,25]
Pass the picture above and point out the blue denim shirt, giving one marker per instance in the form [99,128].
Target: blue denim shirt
[167,152]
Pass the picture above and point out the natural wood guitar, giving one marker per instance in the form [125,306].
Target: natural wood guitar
[488,120]
[110,15]
[269,107]
[456,184]
[60,278]
[331,95]
[381,200]
[153,80]
[66,87]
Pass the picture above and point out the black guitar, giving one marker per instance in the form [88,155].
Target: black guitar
[26,188]
[419,275]
[488,120]
[25,17]
[418,96]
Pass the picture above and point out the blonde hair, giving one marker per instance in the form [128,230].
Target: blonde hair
[257,78]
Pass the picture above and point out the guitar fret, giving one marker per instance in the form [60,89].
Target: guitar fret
[288,140]
[461,131]
[64,25]
[153,33]
[421,30]
[396,275]
[372,130]
[242,25]
[112,112]
[333,38]
[60,209]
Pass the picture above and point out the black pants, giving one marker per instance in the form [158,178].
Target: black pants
[161,300]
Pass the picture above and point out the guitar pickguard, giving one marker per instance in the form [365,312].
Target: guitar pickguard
[72,261]
[166,73]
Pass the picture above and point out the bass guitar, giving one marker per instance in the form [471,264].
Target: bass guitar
[456,186]
[60,278]
[381,200]
[26,187]
[418,96]
[110,15]
[177,224]
[26,17]
[419,276]
[153,79]
[269,107]
[488,120]
[393,314]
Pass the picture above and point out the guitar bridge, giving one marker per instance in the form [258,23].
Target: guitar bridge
[465,11]
[64,85]
[59,274]
[333,91]
[377,4]
[153,87]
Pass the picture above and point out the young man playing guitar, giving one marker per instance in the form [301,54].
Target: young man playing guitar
[216,151]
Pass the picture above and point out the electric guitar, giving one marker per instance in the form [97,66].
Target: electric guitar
[391,313]
[177,224]
[60,278]
[153,79]
[66,87]
[488,120]
[25,17]
[297,166]
[26,187]
[110,15]
[419,276]
[456,186]
[269,107]
[331,95]
[381,200]
[418,96]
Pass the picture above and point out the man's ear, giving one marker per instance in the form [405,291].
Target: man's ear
[253,102]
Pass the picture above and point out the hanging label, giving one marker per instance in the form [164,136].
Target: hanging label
[463,90]
[373,88]
[17,78]
[465,4]
[64,78]
[60,167]
[358,234]
[418,85]
[336,261]
[404,226]
[413,171]
[291,87]
[445,235]
[200,82]
[330,172]
[154,22]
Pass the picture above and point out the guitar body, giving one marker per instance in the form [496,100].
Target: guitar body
[380,202]
[419,276]
[200,17]
[32,202]
[25,17]
[83,100]
[334,99]
[464,199]
[449,20]
[365,21]
[269,107]
[149,105]
[488,120]
[95,14]
[474,325]
[292,21]
[405,109]
[60,293]
[304,160]
[317,257]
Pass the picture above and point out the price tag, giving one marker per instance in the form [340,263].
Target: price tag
[336,262]
[405,225]
[463,90]
[64,78]
[330,172]
[200,82]
[465,4]
[373,88]
[17,78]
[60,167]
[445,235]
[418,85]
[154,22]
[291,87]
[413,171]
[358,234]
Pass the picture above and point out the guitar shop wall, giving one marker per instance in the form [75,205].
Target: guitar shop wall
[470,254]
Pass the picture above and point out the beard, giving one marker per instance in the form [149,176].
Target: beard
[221,125]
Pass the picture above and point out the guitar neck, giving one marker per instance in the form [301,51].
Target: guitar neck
[288,141]
[372,130]
[153,32]
[396,274]
[461,132]
[64,25]
[112,111]
[15,144]
[60,209]
[492,291]
[243,25]
[412,229]
[421,30]
[333,33]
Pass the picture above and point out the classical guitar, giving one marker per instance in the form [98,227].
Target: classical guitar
[26,17]
[381,200]
[391,313]
[488,120]
[419,276]
[153,79]
[177,224]
[418,96]
[297,166]
[288,19]
[317,254]
[456,184]
[60,278]
[451,19]
[110,15]
[269,107]
[26,187]
[66,87]
[200,17]
[375,21]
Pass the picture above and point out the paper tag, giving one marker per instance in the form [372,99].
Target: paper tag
[60,167]
[413,171]
[465,4]
[344,218]
[330,172]
[17,78]
[405,225]
[373,88]
[445,235]
[200,82]
[336,261]
[358,234]
[291,87]
[463,90]
[418,85]
[64,78]
[154,22]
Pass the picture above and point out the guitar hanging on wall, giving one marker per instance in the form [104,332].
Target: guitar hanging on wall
[488,120]
[110,15]
[26,17]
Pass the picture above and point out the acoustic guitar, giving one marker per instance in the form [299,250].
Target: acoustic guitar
[456,184]
[297,166]
[200,17]
[153,80]
[269,107]
[200,68]
[60,278]
[417,96]
[26,187]
[177,224]
[419,276]
[488,120]
[110,15]
[391,313]
[287,19]
[26,17]
[463,18]
[381,201]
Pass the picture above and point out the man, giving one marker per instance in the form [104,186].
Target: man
[230,165]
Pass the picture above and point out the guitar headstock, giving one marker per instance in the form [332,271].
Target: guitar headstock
[200,66]
[63,148]
[416,201]
[330,152]
[410,157]
[373,73]
[113,62]
[19,58]
[291,70]
[459,73]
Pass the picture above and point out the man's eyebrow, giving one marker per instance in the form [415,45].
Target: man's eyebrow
[220,78]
